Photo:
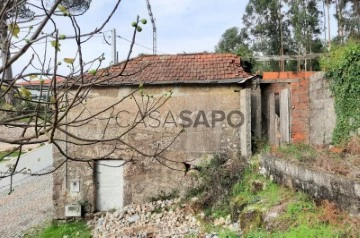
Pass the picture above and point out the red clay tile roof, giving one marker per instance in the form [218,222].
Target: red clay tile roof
[181,67]
[37,82]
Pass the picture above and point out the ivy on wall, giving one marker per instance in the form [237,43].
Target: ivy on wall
[342,69]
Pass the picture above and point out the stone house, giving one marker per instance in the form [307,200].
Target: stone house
[39,88]
[210,104]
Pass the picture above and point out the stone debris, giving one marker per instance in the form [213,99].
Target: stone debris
[154,219]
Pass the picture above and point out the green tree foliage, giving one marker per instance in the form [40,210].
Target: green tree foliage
[343,70]
[267,31]
[352,20]
[348,18]
[264,23]
[234,41]
[277,27]
[304,17]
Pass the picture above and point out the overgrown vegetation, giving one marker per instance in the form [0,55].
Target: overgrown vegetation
[165,196]
[4,154]
[265,209]
[339,161]
[300,152]
[77,229]
[342,68]
[217,177]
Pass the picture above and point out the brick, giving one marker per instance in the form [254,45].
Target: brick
[300,114]
[301,106]
[298,137]
[299,126]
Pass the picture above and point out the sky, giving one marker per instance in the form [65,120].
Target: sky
[183,26]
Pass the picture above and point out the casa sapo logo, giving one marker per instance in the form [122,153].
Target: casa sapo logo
[184,119]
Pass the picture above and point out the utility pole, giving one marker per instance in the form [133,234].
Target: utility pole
[153,25]
[113,44]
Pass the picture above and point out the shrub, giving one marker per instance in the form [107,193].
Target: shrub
[342,69]
[217,178]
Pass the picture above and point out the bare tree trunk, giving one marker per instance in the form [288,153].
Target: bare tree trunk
[328,2]
[5,55]
[339,12]
[282,63]
[356,5]
[325,23]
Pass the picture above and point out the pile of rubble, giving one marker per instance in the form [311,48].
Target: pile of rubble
[153,219]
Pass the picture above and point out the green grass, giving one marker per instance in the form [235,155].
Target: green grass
[76,229]
[228,234]
[5,153]
[272,195]
[299,216]
[300,152]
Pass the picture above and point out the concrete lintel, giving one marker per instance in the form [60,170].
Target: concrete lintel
[279,80]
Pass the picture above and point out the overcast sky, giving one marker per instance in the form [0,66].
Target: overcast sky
[182,25]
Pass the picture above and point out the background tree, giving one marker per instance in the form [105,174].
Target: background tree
[14,10]
[304,17]
[55,120]
[268,29]
[277,28]
[10,9]
[236,42]
[351,20]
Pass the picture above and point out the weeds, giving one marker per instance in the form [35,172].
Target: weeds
[240,191]
[165,196]
[297,214]
[4,154]
[354,145]
[260,145]
[60,230]
[228,234]
[300,152]
[217,177]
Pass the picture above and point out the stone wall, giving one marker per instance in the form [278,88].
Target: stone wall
[322,111]
[345,192]
[14,133]
[146,177]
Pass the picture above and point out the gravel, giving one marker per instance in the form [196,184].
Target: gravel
[29,205]
[166,218]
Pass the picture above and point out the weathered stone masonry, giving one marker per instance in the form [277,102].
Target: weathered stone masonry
[145,178]
[344,191]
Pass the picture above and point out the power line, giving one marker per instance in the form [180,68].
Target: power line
[140,45]
[103,36]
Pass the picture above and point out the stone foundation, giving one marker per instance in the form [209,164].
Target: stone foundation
[343,191]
